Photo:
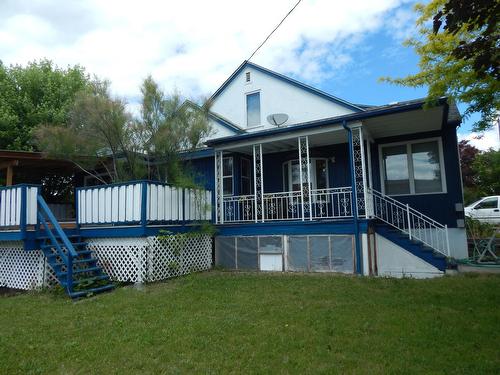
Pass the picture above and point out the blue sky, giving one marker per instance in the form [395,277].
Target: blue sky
[342,47]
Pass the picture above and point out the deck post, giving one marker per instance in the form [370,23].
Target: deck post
[23,210]
[144,203]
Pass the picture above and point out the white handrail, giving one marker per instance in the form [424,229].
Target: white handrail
[417,225]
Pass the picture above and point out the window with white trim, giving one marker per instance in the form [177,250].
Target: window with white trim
[227,175]
[318,169]
[412,168]
[253,109]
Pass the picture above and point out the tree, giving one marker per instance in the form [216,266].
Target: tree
[487,169]
[39,93]
[102,136]
[459,55]
[468,154]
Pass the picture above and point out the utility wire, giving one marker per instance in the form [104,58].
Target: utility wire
[276,28]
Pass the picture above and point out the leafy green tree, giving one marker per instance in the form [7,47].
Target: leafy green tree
[103,138]
[487,168]
[459,55]
[38,93]
[168,126]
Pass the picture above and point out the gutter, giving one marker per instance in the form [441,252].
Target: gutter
[325,122]
[354,200]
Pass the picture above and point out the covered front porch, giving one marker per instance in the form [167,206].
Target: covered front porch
[322,175]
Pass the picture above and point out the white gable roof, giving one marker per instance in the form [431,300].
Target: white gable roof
[278,94]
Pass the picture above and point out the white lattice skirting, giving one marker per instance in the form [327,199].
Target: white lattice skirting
[152,258]
[20,269]
[123,259]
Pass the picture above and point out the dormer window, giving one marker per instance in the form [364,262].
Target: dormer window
[247,77]
[253,109]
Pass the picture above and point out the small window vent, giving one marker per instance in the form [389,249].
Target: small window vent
[247,77]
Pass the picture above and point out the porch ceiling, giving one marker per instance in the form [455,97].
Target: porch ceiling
[417,121]
[315,140]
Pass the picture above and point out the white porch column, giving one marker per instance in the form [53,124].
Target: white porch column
[305,178]
[258,183]
[219,189]
[370,177]
[360,176]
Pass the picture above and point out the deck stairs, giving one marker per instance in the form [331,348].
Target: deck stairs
[74,266]
[410,229]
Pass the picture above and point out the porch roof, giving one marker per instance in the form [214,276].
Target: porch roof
[382,121]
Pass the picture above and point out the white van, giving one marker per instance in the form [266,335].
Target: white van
[486,210]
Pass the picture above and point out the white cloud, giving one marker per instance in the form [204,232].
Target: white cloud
[485,141]
[190,45]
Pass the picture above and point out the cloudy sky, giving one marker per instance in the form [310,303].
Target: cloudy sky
[339,46]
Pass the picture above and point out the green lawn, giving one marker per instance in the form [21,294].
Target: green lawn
[260,323]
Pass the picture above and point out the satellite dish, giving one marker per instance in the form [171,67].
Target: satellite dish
[277,119]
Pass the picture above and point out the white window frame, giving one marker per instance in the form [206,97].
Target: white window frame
[228,176]
[411,176]
[314,180]
[246,109]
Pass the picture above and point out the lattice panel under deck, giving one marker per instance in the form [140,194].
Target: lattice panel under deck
[123,259]
[152,258]
[178,255]
[20,269]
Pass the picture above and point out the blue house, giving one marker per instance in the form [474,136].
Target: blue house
[295,179]
[306,181]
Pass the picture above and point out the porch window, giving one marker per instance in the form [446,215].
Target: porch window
[318,170]
[253,109]
[227,175]
[246,177]
[413,168]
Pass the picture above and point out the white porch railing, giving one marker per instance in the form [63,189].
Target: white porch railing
[410,221]
[334,203]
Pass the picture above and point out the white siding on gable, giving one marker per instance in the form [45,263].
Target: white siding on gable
[276,96]
[218,131]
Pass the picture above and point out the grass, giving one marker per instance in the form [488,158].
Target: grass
[220,322]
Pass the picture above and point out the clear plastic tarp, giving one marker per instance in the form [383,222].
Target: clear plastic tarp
[247,253]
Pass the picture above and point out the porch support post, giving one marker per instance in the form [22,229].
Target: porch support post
[359,164]
[258,183]
[219,189]
[354,200]
[305,177]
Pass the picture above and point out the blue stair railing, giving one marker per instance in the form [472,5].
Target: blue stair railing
[73,264]
[70,254]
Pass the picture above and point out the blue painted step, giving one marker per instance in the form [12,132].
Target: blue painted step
[417,248]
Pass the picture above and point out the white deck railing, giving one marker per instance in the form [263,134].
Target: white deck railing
[410,221]
[141,202]
[18,205]
[334,203]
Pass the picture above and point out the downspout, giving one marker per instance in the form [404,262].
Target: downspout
[354,200]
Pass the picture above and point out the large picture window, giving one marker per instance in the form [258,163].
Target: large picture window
[412,168]
[318,169]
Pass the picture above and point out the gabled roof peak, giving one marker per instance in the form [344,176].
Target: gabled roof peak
[325,95]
